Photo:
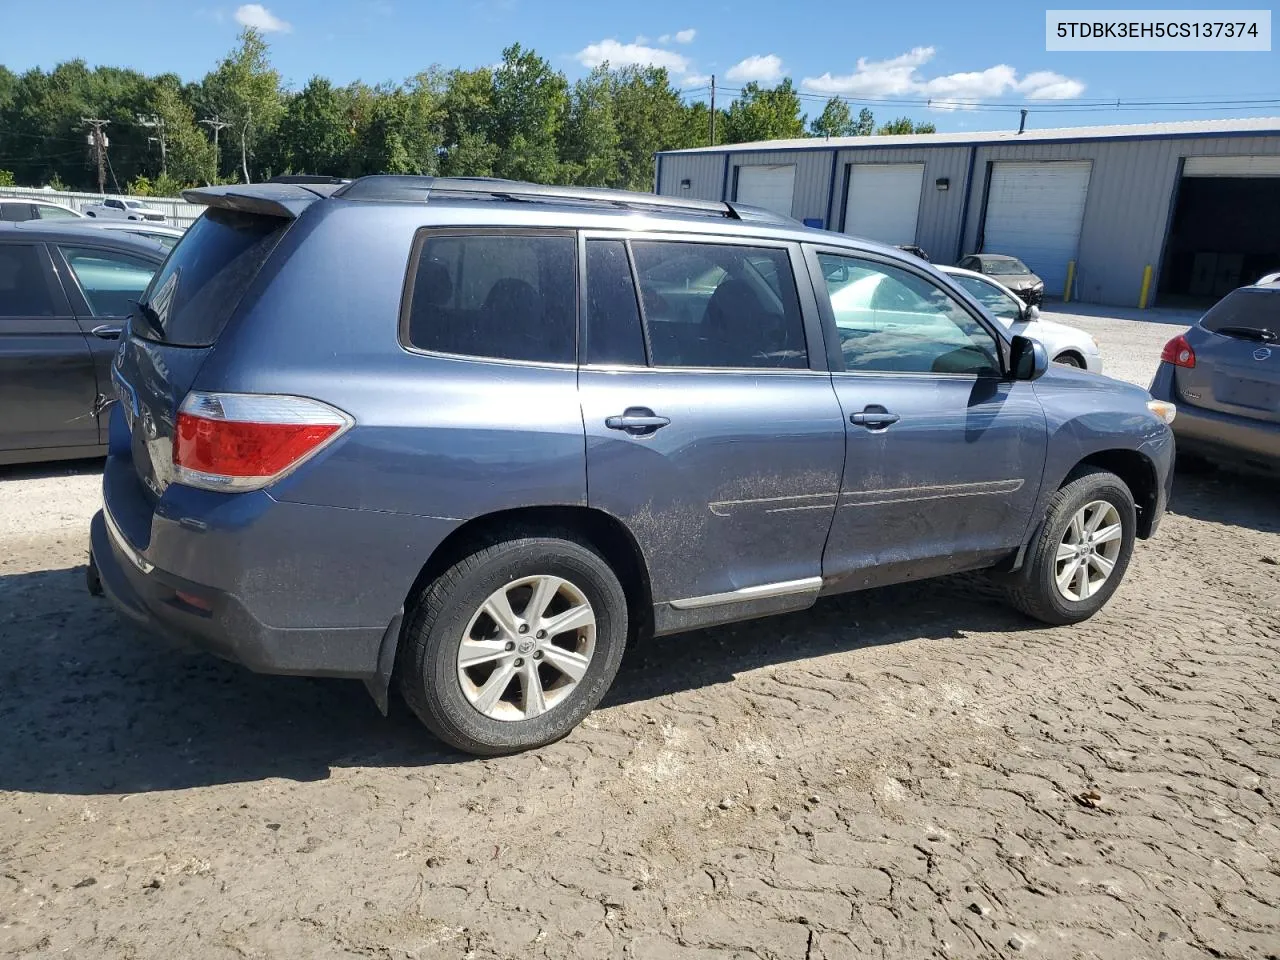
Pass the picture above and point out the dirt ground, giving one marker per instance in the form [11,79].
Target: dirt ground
[912,772]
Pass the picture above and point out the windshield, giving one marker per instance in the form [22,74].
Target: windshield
[1002,306]
[1251,313]
[1013,267]
[201,282]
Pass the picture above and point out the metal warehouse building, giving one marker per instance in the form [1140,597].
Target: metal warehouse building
[1197,202]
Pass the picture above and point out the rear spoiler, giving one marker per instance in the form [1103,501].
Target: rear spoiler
[268,199]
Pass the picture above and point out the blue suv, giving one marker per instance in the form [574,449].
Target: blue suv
[475,436]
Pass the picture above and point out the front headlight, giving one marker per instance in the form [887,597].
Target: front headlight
[1163,409]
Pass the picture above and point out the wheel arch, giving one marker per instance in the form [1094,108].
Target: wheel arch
[602,531]
[1075,355]
[1138,473]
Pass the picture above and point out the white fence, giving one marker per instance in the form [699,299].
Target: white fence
[180,213]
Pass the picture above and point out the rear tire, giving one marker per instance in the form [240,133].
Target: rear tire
[1063,550]
[513,699]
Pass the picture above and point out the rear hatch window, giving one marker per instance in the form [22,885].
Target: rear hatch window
[1247,314]
[206,274]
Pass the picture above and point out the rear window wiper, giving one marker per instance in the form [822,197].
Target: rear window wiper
[147,314]
[1249,333]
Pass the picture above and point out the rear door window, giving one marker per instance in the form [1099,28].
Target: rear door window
[112,282]
[614,334]
[16,212]
[495,296]
[719,305]
[207,273]
[24,288]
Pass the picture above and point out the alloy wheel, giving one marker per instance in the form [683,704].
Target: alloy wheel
[1088,551]
[526,648]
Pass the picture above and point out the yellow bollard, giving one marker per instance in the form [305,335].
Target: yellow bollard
[1146,287]
[1071,276]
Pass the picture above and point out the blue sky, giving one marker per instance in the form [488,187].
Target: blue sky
[991,51]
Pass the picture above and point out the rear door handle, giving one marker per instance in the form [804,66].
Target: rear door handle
[637,421]
[106,331]
[874,418]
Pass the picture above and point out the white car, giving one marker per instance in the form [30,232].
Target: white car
[112,208]
[16,209]
[1064,344]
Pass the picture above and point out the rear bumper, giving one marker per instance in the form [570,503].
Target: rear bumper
[154,599]
[1223,437]
[279,587]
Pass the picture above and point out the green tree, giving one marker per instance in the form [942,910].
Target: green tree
[244,90]
[140,186]
[7,179]
[315,134]
[650,117]
[866,123]
[190,154]
[467,122]
[530,100]
[591,149]
[904,125]
[835,120]
[761,113]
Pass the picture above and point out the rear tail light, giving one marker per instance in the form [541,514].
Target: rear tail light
[244,441]
[1178,352]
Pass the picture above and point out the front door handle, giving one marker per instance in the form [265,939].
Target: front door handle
[107,331]
[874,417]
[637,421]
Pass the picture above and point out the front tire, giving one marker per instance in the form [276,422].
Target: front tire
[1081,552]
[1069,360]
[512,646]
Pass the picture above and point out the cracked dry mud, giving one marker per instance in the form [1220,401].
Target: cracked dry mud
[913,772]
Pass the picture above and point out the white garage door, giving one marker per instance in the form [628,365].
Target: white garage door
[772,187]
[884,201]
[1231,167]
[1034,211]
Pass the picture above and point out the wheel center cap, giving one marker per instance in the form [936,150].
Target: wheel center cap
[525,646]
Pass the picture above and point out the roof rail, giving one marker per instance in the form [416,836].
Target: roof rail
[423,188]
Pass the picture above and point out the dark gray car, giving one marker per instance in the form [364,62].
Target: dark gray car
[65,293]
[1010,271]
[480,435]
[1224,376]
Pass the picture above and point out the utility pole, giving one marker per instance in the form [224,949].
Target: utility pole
[98,141]
[215,124]
[157,123]
[713,109]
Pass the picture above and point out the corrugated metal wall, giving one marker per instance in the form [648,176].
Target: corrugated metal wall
[938,223]
[1126,213]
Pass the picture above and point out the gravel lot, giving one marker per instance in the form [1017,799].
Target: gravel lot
[911,772]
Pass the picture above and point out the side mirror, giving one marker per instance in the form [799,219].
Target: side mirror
[1028,359]
[1031,313]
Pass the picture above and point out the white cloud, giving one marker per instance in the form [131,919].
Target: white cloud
[625,54]
[260,18]
[762,69]
[900,76]
[680,36]
[692,80]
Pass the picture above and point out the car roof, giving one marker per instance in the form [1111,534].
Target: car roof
[49,231]
[994,256]
[6,198]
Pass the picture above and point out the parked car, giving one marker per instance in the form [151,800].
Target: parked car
[65,291]
[1065,344]
[1010,271]
[115,209]
[16,210]
[1224,375]
[162,234]
[516,427]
